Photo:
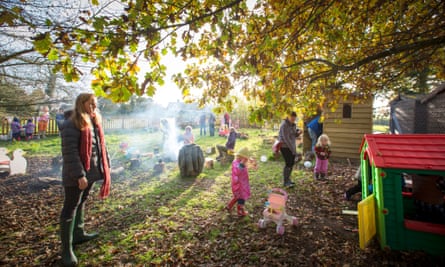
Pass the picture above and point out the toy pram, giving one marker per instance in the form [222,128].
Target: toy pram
[275,211]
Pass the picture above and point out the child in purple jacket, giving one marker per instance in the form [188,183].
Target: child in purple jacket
[15,129]
[29,129]
[240,182]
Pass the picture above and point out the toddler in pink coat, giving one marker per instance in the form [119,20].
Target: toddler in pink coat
[240,182]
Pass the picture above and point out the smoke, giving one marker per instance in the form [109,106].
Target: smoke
[172,144]
[151,128]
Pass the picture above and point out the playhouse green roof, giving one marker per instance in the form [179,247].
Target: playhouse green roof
[406,151]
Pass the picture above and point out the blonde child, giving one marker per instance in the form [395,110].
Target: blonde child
[323,151]
[240,181]
[43,124]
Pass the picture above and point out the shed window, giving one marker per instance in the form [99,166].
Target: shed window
[347,111]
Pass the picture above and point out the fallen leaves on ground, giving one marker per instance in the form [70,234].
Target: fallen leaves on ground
[170,221]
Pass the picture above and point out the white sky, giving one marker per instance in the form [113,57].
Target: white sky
[169,92]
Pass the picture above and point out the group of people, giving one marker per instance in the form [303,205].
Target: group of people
[85,161]
[226,123]
[29,127]
[321,147]
[16,129]
[288,134]
[203,126]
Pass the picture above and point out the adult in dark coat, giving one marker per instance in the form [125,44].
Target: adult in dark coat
[287,137]
[85,161]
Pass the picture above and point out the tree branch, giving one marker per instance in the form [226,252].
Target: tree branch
[15,54]
[48,102]
[334,68]
[395,50]
[191,21]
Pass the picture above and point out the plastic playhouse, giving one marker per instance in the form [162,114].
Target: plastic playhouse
[275,211]
[404,207]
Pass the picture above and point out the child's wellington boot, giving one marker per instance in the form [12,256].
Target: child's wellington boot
[241,211]
[229,206]
[316,175]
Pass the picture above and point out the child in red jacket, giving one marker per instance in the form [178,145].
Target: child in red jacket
[323,151]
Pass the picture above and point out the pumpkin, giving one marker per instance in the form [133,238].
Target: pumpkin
[190,160]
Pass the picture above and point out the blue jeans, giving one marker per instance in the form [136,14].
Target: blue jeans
[202,129]
[212,129]
[313,137]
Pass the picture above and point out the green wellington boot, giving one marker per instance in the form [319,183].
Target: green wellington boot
[79,235]
[66,236]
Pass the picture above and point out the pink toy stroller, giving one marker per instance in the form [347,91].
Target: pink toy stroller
[275,211]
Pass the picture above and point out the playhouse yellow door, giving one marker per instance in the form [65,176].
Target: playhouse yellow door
[366,220]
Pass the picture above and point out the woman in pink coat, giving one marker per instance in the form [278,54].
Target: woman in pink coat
[240,182]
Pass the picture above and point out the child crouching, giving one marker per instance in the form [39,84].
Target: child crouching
[322,151]
[29,129]
[240,182]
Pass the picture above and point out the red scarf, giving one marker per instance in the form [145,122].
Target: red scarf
[86,150]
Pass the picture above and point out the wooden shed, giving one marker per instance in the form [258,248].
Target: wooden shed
[419,114]
[346,126]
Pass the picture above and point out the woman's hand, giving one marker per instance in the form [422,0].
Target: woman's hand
[298,133]
[83,183]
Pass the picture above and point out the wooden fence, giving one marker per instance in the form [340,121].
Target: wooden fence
[129,123]
[113,124]
[52,128]
[107,123]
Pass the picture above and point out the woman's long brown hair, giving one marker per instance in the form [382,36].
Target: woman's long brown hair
[80,117]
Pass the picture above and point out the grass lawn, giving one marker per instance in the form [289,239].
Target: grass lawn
[49,146]
[167,220]
[380,128]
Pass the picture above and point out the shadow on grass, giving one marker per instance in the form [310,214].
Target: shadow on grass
[143,218]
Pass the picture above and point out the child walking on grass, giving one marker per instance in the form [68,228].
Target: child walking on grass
[323,151]
[240,181]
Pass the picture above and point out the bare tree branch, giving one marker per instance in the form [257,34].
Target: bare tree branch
[15,54]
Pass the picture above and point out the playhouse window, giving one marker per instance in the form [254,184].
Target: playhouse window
[407,184]
[424,202]
[347,111]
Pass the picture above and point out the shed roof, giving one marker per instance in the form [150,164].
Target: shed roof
[423,98]
[408,151]
[439,90]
